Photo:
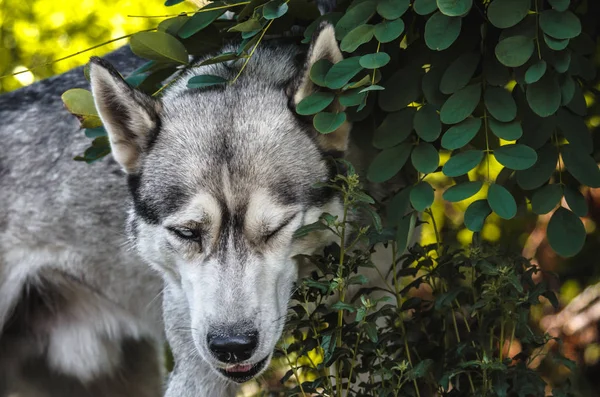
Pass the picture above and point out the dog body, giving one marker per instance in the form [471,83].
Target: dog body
[218,179]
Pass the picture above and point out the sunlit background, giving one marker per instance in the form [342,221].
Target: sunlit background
[34,33]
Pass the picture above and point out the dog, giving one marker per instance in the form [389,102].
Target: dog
[197,207]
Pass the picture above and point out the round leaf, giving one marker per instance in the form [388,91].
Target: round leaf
[461,163]
[441,31]
[500,104]
[582,166]
[576,201]
[459,135]
[158,46]
[315,102]
[388,162]
[506,13]
[514,51]
[274,10]
[353,17]
[403,88]
[560,5]
[475,215]
[542,170]
[352,98]
[425,7]
[546,199]
[507,131]
[516,156]
[501,201]
[374,61]
[342,72]
[575,130]
[200,20]
[544,96]
[392,9]
[461,104]
[425,158]
[462,191]
[394,129]
[427,123]
[356,37]
[387,31]
[555,44]
[459,73]
[560,25]
[327,122]
[421,196]
[319,70]
[205,80]
[80,103]
[566,233]
[405,231]
[535,72]
[454,8]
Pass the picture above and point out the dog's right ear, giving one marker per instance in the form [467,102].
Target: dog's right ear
[129,116]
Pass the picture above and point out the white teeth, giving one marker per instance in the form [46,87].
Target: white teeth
[238,368]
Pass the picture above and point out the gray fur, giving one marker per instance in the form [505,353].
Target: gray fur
[233,165]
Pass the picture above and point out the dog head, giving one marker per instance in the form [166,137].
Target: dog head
[221,178]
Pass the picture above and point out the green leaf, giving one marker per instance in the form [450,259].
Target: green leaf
[454,8]
[352,98]
[307,229]
[475,215]
[356,37]
[577,203]
[386,31]
[172,25]
[319,70]
[341,73]
[392,9]
[556,44]
[461,163]
[514,51]
[158,46]
[404,232]
[542,170]
[560,5]
[201,20]
[327,122]
[460,134]
[561,61]
[567,90]
[560,25]
[425,7]
[251,25]
[566,233]
[462,191]
[500,104]
[425,158]
[403,88]
[371,331]
[95,132]
[507,131]
[461,104]
[421,196]
[516,156]
[575,130]
[394,129]
[227,56]
[459,73]
[441,31]
[582,166]
[274,10]
[546,199]
[501,201]
[353,17]
[430,87]
[80,103]
[205,80]
[507,13]
[544,97]
[535,72]
[495,73]
[398,206]
[427,123]
[170,3]
[315,102]
[374,61]
[388,162]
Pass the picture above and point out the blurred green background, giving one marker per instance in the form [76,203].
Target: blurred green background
[33,33]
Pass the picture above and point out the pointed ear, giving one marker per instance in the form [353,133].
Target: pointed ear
[129,116]
[323,46]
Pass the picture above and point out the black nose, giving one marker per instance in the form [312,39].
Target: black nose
[232,347]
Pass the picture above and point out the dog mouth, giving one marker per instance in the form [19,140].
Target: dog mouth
[241,373]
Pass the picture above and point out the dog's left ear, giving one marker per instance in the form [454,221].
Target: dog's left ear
[129,116]
[323,46]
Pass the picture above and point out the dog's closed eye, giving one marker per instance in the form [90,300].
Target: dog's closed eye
[273,232]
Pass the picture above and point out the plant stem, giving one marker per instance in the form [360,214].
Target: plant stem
[252,52]
[342,291]
[354,354]
[191,12]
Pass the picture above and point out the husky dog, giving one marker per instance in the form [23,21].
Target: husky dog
[217,181]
